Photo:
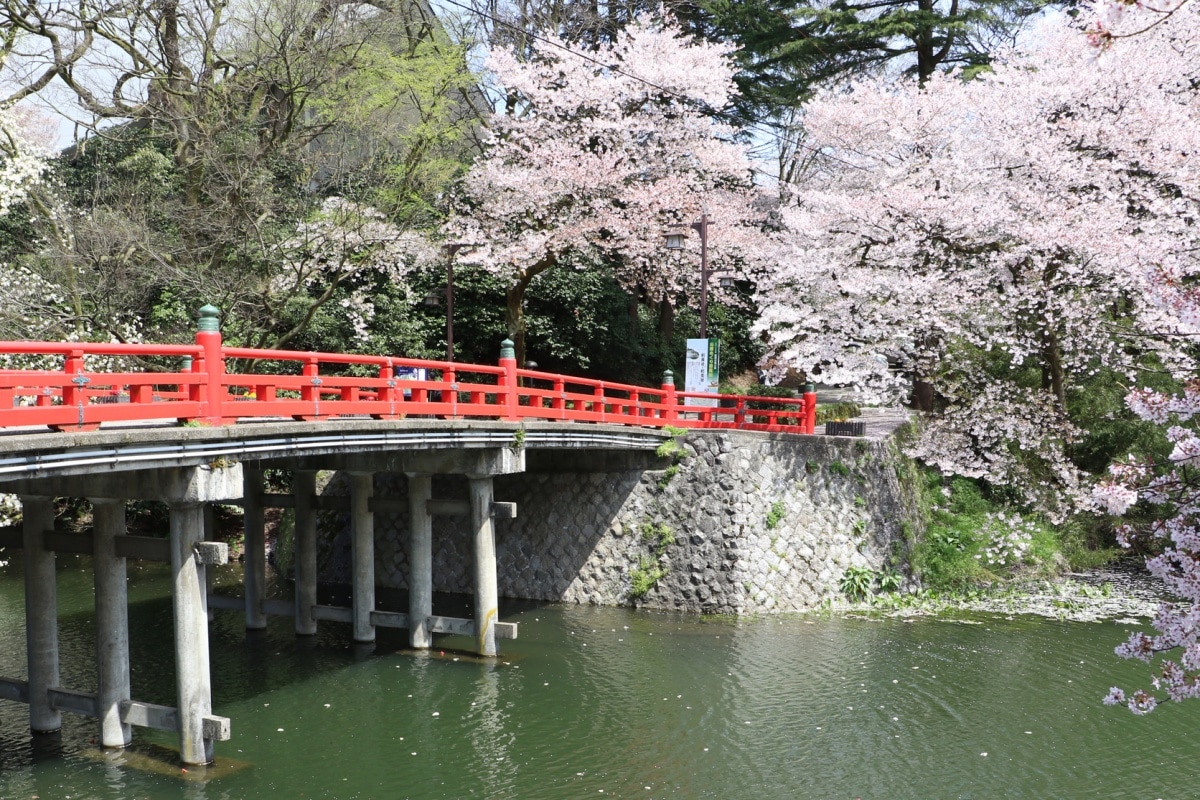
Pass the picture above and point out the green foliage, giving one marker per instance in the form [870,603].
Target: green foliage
[838,468]
[644,576]
[945,557]
[648,572]
[969,540]
[1087,543]
[667,476]
[1098,406]
[835,412]
[776,514]
[890,581]
[659,535]
[672,449]
[789,48]
[856,583]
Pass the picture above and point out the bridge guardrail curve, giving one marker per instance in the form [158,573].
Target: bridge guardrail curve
[211,384]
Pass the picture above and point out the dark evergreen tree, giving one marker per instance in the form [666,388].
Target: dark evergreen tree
[789,47]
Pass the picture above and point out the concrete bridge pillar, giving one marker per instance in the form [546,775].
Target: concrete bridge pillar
[255,544]
[304,489]
[362,554]
[112,622]
[41,613]
[486,593]
[209,535]
[420,560]
[193,680]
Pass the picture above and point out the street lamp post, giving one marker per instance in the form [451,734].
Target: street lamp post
[675,242]
[451,249]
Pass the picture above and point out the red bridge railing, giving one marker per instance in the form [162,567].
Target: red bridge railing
[211,384]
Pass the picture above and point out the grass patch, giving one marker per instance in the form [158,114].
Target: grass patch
[837,412]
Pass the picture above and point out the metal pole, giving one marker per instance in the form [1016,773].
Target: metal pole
[702,227]
[451,250]
[450,309]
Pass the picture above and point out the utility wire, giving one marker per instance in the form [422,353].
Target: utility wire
[769,130]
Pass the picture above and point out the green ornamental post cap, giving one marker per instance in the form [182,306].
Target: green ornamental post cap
[810,388]
[209,320]
[508,349]
[668,378]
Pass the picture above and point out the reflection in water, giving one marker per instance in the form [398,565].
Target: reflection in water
[607,702]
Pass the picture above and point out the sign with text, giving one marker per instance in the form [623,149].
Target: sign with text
[702,370]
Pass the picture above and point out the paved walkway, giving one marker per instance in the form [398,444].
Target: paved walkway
[882,422]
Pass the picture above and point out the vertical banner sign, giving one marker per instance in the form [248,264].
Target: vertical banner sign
[702,370]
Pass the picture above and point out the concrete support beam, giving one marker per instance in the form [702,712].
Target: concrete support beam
[255,542]
[420,560]
[41,613]
[486,593]
[112,622]
[362,554]
[448,461]
[209,483]
[461,508]
[192,677]
[304,489]
[210,533]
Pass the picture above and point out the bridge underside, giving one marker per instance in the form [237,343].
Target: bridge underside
[191,469]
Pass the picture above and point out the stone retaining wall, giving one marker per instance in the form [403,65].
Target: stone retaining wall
[745,523]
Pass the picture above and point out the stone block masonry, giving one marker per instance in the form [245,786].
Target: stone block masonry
[744,523]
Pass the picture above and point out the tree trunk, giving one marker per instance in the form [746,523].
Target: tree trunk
[515,318]
[1053,377]
[515,304]
[666,322]
[922,395]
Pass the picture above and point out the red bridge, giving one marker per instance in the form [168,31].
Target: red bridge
[211,384]
[302,413]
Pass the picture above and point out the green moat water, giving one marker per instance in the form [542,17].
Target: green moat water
[598,702]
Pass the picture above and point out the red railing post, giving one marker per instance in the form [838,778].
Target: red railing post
[387,391]
[559,401]
[508,360]
[450,393]
[670,409]
[739,412]
[73,393]
[208,336]
[310,389]
[810,408]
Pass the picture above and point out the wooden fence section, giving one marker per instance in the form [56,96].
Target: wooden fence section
[208,383]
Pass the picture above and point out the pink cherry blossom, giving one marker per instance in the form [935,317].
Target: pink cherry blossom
[597,157]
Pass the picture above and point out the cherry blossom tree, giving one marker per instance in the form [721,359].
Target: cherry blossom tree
[1121,19]
[1165,53]
[999,238]
[22,164]
[22,161]
[342,248]
[593,158]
